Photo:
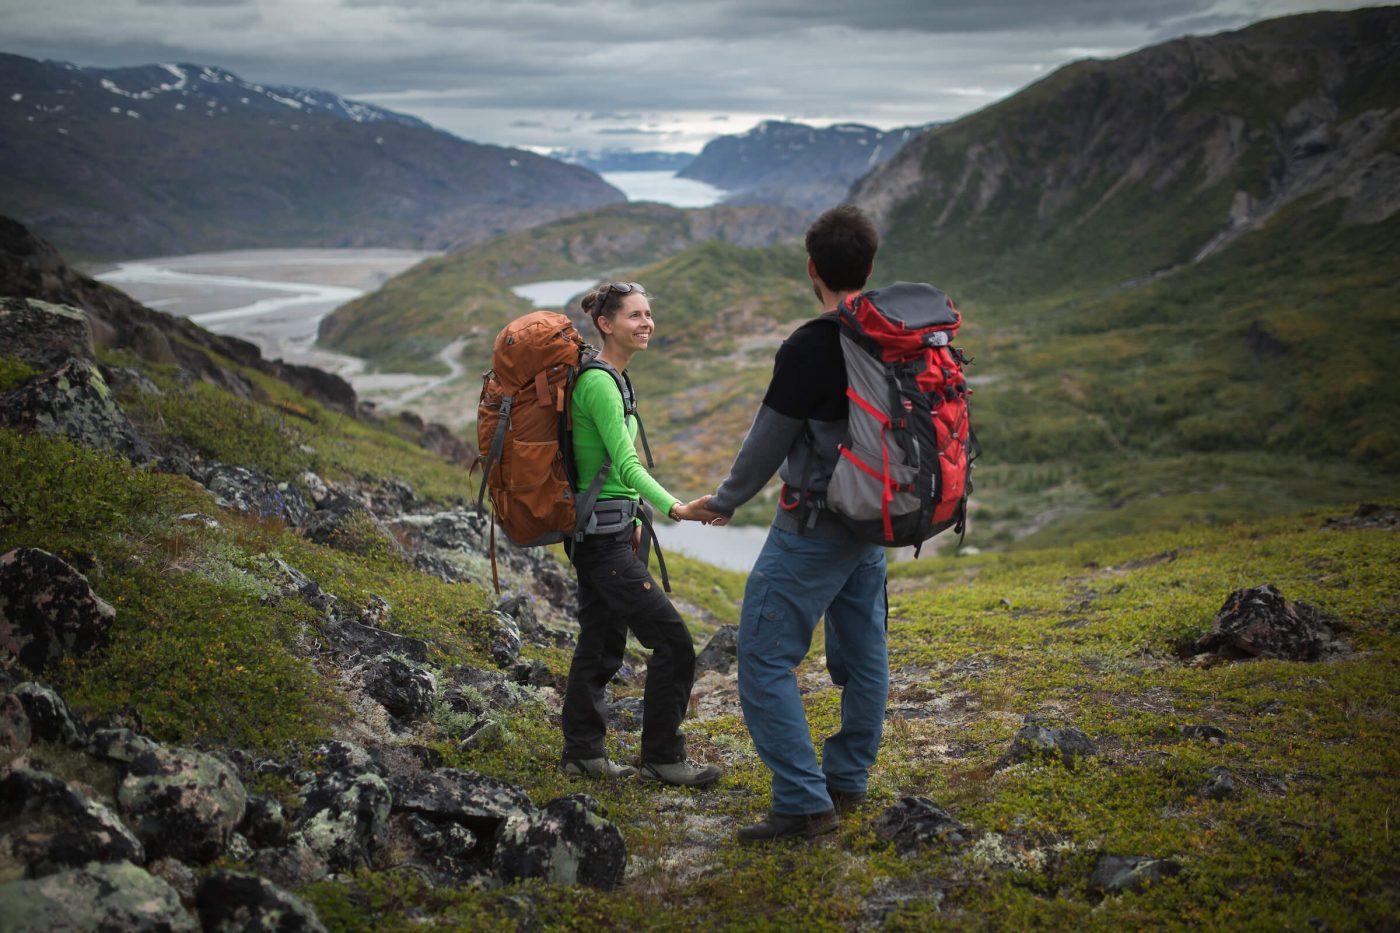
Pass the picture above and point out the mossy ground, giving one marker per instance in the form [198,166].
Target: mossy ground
[1086,633]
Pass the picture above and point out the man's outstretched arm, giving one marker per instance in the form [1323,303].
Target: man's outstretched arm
[763,451]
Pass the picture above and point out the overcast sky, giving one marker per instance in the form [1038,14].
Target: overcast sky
[638,74]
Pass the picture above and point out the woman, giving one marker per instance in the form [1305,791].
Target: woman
[615,590]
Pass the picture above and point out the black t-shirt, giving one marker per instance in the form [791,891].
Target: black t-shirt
[809,373]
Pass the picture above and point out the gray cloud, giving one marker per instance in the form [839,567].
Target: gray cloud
[641,73]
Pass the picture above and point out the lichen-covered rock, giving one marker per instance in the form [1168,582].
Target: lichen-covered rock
[476,801]
[450,849]
[566,842]
[521,609]
[344,818]
[532,673]
[264,823]
[49,719]
[52,825]
[1220,785]
[721,652]
[113,896]
[44,335]
[1116,873]
[347,525]
[293,865]
[917,823]
[233,902]
[182,803]
[1204,732]
[403,689]
[47,609]
[236,487]
[1259,623]
[344,758]
[178,875]
[484,733]
[358,638]
[74,401]
[1039,740]
[625,713]
[120,745]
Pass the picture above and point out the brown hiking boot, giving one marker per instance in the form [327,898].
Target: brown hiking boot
[846,802]
[785,826]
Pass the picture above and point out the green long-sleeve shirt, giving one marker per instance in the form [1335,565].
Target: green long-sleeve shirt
[599,426]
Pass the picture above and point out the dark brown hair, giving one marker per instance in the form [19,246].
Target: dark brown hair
[604,301]
[842,244]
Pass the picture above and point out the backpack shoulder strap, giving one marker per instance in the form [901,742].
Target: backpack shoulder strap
[629,398]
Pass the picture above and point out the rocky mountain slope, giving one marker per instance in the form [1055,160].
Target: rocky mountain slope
[795,164]
[251,674]
[160,159]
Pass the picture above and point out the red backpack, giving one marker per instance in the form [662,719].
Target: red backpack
[903,476]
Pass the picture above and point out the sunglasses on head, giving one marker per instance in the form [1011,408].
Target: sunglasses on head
[622,288]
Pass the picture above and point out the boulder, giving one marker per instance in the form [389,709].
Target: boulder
[351,638]
[120,745]
[48,610]
[1259,622]
[521,610]
[347,525]
[1039,740]
[345,758]
[48,716]
[245,490]
[112,896]
[344,818]
[74,401]
[178,875]
[566,842]
[478,802]
[182,803]
[294,865]
[1114,874]
[53,825]
[44,335]
[234,902]
[403,689]
[917,823]
[721,652]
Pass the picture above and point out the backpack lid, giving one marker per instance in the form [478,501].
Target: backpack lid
[916,305]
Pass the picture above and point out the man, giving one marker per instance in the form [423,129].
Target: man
[811,565]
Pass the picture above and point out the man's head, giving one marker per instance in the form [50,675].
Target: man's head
[841,248]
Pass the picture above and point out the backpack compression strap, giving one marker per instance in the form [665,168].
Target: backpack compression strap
[584,504]
[498,443]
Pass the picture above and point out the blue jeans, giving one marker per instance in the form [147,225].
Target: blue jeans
[795,581]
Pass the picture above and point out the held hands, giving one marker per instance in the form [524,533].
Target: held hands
[697,511]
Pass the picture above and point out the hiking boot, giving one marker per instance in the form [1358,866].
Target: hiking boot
[596,768]
[846,802]
[787,826]
[681,773]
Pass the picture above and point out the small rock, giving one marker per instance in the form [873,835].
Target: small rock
[182,803]
[49,719]
[128,382]
[44,335]
[233,902]
[1205,733]
[1259,623]
[1038,740]
[563,843]
[404,690]
[520,608]
[1368,515]
[120,745]
[15,731]
[47,610]
[264,824]
[344,818]
[1270,708]
[505,640]
[198,518]
[345,758]
[917,823]
[61,827]
[315,487]
[112,896]
[178,875]
[347,525]
[626,713]
[351,637]
[1219,786]
[292,866]
[484,733]
[426,756]
[720,652]
[74,401]
[534,673]
[1114,873]
[376,612]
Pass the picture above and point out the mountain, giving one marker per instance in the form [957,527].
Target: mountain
[160,159]
[253,674]
[406,322]
[794,164]
[624,160]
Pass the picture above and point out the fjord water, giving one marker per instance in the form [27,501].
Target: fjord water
[665,188]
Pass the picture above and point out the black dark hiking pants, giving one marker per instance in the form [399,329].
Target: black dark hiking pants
[617,593]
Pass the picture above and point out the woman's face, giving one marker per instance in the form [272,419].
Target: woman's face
[631,327]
